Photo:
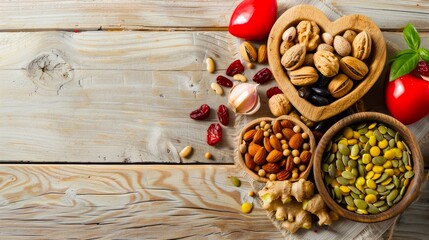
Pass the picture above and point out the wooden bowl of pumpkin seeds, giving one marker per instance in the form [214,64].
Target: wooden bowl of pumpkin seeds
[368,167]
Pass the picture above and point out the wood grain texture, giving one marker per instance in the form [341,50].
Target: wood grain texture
[121,96]
[124,202]
[150,202]
[187,14]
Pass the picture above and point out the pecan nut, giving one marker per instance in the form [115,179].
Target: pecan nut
[353,67]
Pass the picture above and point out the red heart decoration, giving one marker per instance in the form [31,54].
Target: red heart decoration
[253,19]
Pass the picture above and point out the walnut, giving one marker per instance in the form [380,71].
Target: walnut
[279,105]
[308,34]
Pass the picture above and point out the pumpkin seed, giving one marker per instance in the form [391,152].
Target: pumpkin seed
[347,175]
[391,132]
[352,164]
[409,174]
[332,170]
[360,204]
[379,160]
[393,194]
[342,181]
[381,188]
[355,172]
[325,167]
[378,135]
[343,149]
[397,199]
[329,146]
[354,189]
[395,181]
[331,158]
[363,139]
[382,198]
[370,191]
[390,186]
[395,163]
[338,193]
[355,150]
[392,143]
[328,179]
[372,209]
[383,208]
[382,129]
[385,193]
[389,203]
[383,177]
[340,165]
[362,211]
[402,191]
[361,125]
[397,137]
[362,170]
[379,203]
[349,201]
[405,158]
[345,160]
[354,195]
[387,137]
[406,147]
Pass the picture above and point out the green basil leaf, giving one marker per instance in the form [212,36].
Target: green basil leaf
[411,37]
[402,52]
[424,54]
[403,65]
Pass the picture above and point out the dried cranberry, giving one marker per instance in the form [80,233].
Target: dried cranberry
[214,134]
[235,68]
[201,113]
[273,91]
[423,68]
[263,76]
[221,80]
[223,115]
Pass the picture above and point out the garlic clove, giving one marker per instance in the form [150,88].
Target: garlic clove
[255,108]
[243,98]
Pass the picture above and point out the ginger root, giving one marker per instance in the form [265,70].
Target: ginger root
[284,190]
[296,213]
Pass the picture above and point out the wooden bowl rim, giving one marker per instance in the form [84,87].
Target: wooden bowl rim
[355,22]
[295,121]
[414,187]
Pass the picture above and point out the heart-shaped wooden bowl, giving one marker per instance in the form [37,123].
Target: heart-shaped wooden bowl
[355,22]
[251,125]
[413,189]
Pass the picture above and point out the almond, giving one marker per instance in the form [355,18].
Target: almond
[283,175]
[253,148]
[286,124]
[283,162]
[289,163]
[259,135]
[305,156]
[275,143]
[248,136]
[277,127]
[260,156]
[271,168]
[288,133]
[296,141]
[274,156]
[248,159]
[267,144]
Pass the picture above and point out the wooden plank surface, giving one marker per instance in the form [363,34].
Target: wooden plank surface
[121,96]
[187,14]
[150,202]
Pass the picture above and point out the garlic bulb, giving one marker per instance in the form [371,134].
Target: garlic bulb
[243,98]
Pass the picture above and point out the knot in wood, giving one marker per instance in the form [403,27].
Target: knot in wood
[50,71]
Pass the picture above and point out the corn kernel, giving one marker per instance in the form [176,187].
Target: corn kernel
[374,151]
[343,141]
[351,208]
[370,198]
[378,169]
[369,134]
[369,166]
[348,132]
[376,176]
[383,144]
[345,189]
[389,154]
[371,184]
[356,135]
[372,140]
[372,125]
[335,148]
[389,172]
[400,145]
[366,158]
[369,175]
[402,168]
[335,183]
[398,153]
[360,188]
[362,211]
[352,141]
[406,182]
[246,207]
[396,171]
[408,167]
[360,181]
[387,164]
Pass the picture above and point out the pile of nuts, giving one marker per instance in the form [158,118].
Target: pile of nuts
[325,67]
[278,150]
[367,168]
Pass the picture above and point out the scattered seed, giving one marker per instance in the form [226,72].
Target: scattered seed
[235,181]
[211,67]
[186,152]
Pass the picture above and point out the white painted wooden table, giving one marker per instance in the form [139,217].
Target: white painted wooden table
[94,104]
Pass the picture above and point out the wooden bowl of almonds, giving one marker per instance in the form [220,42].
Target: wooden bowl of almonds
[276,149]
[323,66]
[368,167]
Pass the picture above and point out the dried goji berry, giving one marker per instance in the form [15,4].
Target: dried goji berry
[235,68]
[214,134]
[273,91]
[263,76]
[223,115]
[201,113]
[221,80]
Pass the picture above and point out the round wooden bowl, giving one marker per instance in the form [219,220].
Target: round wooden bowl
[355,22]
[413,189]
[252,124]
